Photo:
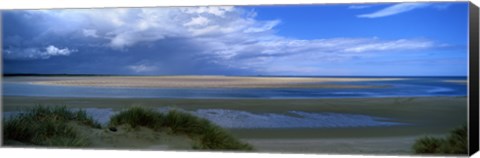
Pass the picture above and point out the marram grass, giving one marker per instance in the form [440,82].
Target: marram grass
[208,135]
[205,134]
[52,126]
[138,116]
[48,126]
[455,143]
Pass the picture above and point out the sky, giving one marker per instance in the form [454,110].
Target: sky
[377,39]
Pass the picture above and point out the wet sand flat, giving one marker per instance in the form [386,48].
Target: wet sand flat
[200,81]
[392,145]
[434,113]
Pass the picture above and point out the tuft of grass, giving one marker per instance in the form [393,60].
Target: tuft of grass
[455,143]
[138,116]
[428,144]
[205,134]
[208,135]
[181,122]
[48,126]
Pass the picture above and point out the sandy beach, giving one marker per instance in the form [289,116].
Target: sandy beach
[200,81]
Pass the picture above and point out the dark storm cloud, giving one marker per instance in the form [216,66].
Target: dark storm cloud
[34,43]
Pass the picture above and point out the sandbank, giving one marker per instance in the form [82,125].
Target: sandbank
[201,81]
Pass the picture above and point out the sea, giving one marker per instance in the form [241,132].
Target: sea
[407,87]
[229,118]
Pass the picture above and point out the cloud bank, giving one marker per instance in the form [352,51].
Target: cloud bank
[189,40]
[37,53]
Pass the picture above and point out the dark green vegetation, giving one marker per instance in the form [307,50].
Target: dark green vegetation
[58,126]
[48,126]
[205,134]
[455,143]
[137,116]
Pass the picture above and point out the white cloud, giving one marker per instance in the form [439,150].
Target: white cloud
[358,6]
[37,53]
[122,40]
[227,36]
[402,44]
[54,51]
[394,9]
[269,53]
[197,21]
[90,33]
[217,11]
[141,68]
[127,27]
[225,32]
[264,27]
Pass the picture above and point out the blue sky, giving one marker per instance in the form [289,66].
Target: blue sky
[388,39]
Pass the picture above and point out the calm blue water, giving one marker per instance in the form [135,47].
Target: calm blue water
[400,88]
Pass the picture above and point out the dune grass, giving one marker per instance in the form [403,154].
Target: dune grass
[205,134]
[48,126]
[54,126]
[138,116]
[455,143]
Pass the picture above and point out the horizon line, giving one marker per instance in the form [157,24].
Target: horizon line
[80,74]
